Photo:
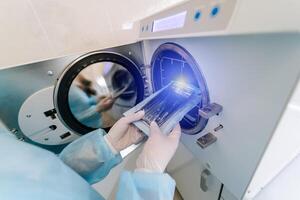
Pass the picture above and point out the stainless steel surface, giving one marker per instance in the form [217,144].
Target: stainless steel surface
[18,83]
[100,87]
[167,106]
[218,128]
[210,110]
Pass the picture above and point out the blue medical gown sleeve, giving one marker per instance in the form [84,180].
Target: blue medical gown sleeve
[84,107]
[29,172]
[145,186]
[90,156]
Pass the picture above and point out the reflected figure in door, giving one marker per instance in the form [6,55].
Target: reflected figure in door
[84,103]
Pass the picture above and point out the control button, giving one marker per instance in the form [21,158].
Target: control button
[197,15]
[214,11]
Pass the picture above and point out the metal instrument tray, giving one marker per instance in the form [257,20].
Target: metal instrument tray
[167,106]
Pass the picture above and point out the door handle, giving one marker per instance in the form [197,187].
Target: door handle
[205,174]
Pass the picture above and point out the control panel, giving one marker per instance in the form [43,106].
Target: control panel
[190,18]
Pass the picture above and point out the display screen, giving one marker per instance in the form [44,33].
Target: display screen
[168,23]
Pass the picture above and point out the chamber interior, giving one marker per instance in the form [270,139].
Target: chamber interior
[172,62]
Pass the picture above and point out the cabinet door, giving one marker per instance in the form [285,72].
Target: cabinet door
[96,89]
[187,170]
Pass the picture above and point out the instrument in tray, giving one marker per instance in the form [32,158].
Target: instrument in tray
[161,107]
[167,106]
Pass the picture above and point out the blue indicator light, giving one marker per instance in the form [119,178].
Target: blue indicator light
[215,10]
[197,15]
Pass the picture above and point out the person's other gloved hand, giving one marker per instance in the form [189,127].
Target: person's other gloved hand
[123,133]
[158,149]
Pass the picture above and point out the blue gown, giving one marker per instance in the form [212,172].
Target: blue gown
[83,107]
[29,172]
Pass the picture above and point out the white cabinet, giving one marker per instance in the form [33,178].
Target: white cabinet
[186,170]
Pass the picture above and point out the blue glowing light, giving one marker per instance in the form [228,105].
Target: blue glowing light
[197,15]
[172,62]
[215,10]
[172,67]
[181,82]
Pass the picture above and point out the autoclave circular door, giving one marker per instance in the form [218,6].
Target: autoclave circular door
[171,62]
[96,89]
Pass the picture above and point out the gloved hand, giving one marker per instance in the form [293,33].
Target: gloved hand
[158,149]
[105,103]
[123,133]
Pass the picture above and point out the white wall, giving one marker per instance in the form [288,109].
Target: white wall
[285,185]
[33,30]
[282,149]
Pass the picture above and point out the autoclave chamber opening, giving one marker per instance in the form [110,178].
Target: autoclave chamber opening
[172,62]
